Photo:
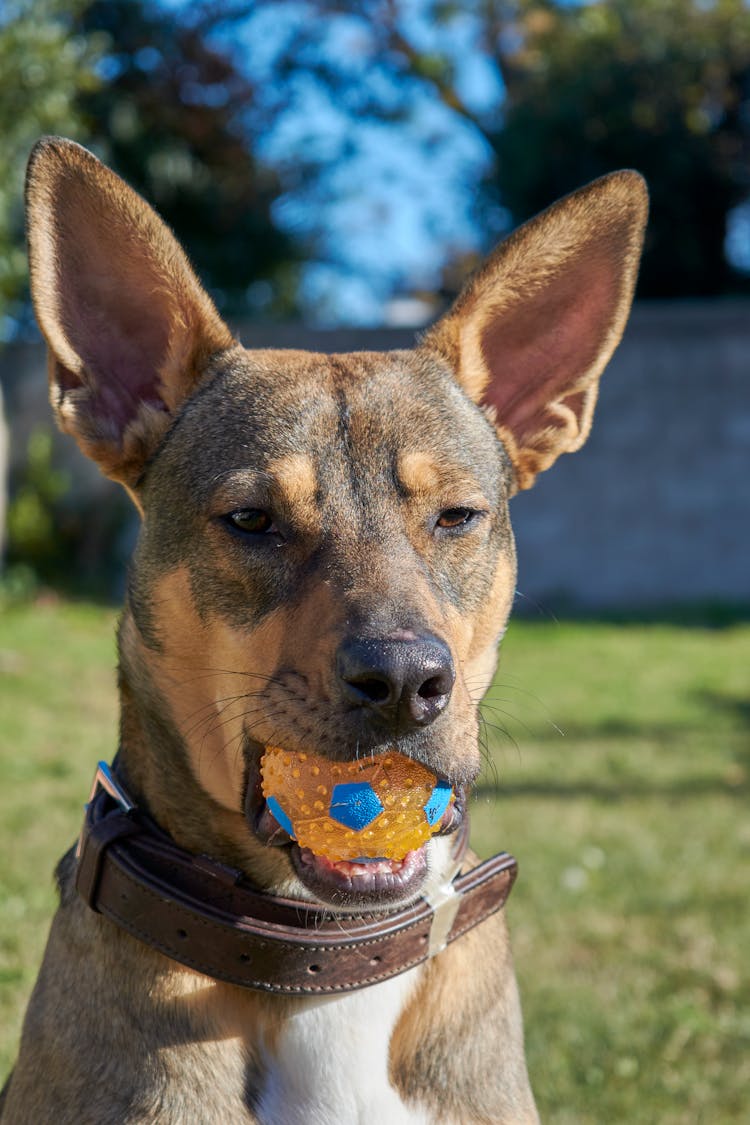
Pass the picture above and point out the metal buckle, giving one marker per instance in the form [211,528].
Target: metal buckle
[445,901]
[106,780]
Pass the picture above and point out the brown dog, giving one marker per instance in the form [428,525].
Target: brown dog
[325,563]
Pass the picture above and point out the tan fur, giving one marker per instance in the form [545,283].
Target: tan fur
[227,645]
[422,476]
[296,476]
[479,637]
[419,472]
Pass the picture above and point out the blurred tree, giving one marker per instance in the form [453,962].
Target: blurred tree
[45,62]
[658,85]
[170,117]
[582,89]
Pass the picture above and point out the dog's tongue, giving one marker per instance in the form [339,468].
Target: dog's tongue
[351,868]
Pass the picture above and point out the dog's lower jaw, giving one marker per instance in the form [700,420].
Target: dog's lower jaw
[361,886]
[431,866]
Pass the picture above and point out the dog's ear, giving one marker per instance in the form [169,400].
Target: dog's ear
[532,332]
[128,325]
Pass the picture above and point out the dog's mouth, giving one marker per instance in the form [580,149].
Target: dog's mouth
[365,883]
[362,883]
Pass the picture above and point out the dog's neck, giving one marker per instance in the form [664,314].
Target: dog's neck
[314,1060]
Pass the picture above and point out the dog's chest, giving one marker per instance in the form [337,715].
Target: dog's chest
[330,1063]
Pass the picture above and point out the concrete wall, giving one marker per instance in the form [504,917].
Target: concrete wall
[654,510]
[656,507]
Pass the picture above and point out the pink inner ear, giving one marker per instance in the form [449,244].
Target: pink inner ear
[121,345]
[114,309]
[539,351]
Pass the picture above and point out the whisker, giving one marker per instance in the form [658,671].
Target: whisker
[213,704]
[542,611]
[508,715]
[227,744]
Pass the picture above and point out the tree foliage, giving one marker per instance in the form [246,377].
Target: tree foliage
[583,89]
[171,117]
[166,94]
[45,63]
[148,89]
[658,85]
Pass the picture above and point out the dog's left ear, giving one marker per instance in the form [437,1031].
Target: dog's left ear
[533,330]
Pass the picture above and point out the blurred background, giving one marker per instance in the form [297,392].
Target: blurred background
[335,171]
[338,166]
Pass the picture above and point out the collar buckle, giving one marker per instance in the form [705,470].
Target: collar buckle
[105,781]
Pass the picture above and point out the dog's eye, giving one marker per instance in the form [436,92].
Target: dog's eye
[455,517]
[253,521]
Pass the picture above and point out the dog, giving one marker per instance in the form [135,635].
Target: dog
[325,564]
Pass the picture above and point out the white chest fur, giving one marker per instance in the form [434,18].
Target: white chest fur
[330,1064]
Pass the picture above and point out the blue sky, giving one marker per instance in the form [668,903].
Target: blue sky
[388,205]
[401,202]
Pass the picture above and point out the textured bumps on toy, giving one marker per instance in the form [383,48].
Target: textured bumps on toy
[371,808]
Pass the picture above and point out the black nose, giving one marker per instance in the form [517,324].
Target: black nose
[405,682]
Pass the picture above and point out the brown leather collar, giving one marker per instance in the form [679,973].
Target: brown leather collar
[207,916]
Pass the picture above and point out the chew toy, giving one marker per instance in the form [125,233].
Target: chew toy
[373,808]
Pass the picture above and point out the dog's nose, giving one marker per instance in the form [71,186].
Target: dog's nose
[407,682]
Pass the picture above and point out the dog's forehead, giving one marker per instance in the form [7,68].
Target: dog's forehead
[394,413]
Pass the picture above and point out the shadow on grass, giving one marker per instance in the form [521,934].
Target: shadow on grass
[737,707]
[734,783]
[699,615]
[621,789]
[734,708]
[608,730]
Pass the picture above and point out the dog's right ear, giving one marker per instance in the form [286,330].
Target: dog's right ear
[129,327]
[533,330]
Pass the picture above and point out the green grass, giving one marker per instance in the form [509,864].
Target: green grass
[630,920]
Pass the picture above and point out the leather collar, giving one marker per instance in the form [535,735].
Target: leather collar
[207,916]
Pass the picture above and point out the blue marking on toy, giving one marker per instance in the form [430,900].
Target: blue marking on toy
[280,815]
[438,802]
[355,804]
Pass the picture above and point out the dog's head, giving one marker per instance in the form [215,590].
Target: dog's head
[326,561]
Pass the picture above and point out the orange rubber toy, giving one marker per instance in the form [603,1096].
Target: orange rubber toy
[373,808]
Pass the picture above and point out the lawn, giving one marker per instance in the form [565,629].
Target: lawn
[618,773]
